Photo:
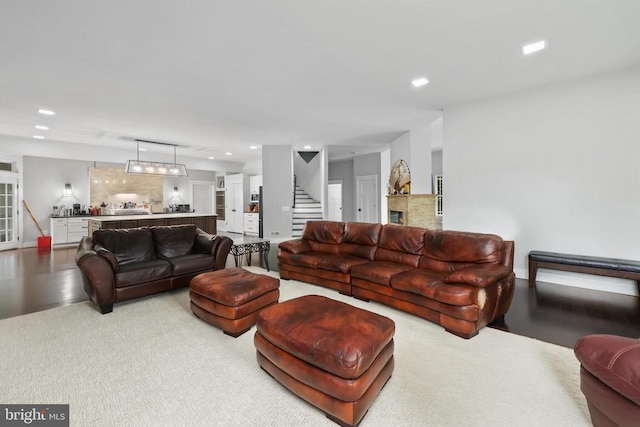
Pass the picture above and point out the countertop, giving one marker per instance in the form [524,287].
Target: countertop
[137,216]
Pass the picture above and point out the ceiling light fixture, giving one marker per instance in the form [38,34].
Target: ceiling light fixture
[155,168]
[46,112]
[38,136]
[420,82]
[228,153]
[533,47]
[211,158]
[41,127]
[307,147]
[253,147]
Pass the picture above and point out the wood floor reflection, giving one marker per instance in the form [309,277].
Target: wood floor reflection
[32,280]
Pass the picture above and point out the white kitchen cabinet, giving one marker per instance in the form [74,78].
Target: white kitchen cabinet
[252,223]
[68,230]
[77,228]
[255,182]
[58,230]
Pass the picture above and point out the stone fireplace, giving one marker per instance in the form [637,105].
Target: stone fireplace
[416,210]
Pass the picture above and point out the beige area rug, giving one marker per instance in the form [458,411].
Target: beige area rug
[153,363]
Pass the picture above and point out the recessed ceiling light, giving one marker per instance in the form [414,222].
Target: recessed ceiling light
[307,147]
[533,47]
[420,82]
[142,149]
[38,136]
[41,127]
[211,158]
[47,112]
[253,147]
[228,153]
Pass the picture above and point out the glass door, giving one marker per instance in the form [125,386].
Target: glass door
[8,213]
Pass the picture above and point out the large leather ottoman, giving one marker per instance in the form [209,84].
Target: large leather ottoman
[331,354]
[231,299]
[610,379]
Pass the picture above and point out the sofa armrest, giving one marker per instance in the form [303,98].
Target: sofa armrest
[108,255]
[98,275]
[296,246]
[216,245]
[480,275]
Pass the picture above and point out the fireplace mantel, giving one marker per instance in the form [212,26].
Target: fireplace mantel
[417,210]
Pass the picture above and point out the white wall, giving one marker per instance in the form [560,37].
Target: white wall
[555,169]
[414,147]
[277,190]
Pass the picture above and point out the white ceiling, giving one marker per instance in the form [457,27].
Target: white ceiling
[217,76]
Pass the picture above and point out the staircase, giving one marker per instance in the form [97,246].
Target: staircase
[305,209]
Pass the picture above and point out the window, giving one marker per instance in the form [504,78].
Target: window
[438,195]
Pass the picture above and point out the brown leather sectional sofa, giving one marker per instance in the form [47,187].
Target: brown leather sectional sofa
[122,264]
[462,281]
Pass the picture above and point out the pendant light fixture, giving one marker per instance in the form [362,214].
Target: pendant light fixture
[155,168]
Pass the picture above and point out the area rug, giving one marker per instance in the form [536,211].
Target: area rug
[153,363]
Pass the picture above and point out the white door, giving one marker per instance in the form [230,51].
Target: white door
[335,201]
[202,197]
[367,198]
[8,213]
[238,210]
[233,214]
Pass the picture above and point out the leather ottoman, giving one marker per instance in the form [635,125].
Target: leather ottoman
[231,299]
[610,379]
[333,355]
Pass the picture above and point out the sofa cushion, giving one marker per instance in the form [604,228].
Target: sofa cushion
[379,272]
[141,272]
[362,233]
[399,244]
[308,259]
[341,263]
[430,284]
[127,245]
[323,232]
[191,263]
[175,240]
[450,250]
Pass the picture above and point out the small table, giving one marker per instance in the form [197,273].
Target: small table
[246,245]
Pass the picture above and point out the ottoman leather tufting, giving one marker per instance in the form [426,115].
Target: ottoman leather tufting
[231,299]
[335,356]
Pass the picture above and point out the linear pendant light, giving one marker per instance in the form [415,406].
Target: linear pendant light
[155,168]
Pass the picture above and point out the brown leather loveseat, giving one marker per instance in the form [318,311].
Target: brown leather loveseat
[462,281]
[122,264]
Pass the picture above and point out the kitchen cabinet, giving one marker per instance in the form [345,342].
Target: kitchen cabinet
[252,223]
[58,230]
[68,230]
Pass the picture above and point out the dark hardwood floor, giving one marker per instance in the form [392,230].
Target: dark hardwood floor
[32,280]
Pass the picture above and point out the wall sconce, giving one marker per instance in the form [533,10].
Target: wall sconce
[176,192]
[67,190]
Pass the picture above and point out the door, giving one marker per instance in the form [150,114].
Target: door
[8,213]
[367,198]
[233,214]
[335,201]
[202,197]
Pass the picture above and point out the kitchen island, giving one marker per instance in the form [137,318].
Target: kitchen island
[205,222]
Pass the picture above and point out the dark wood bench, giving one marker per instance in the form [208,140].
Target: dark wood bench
[611,267]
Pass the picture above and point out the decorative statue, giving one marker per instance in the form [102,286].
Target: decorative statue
[400,177]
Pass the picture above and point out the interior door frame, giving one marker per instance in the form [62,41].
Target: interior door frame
[376,210]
